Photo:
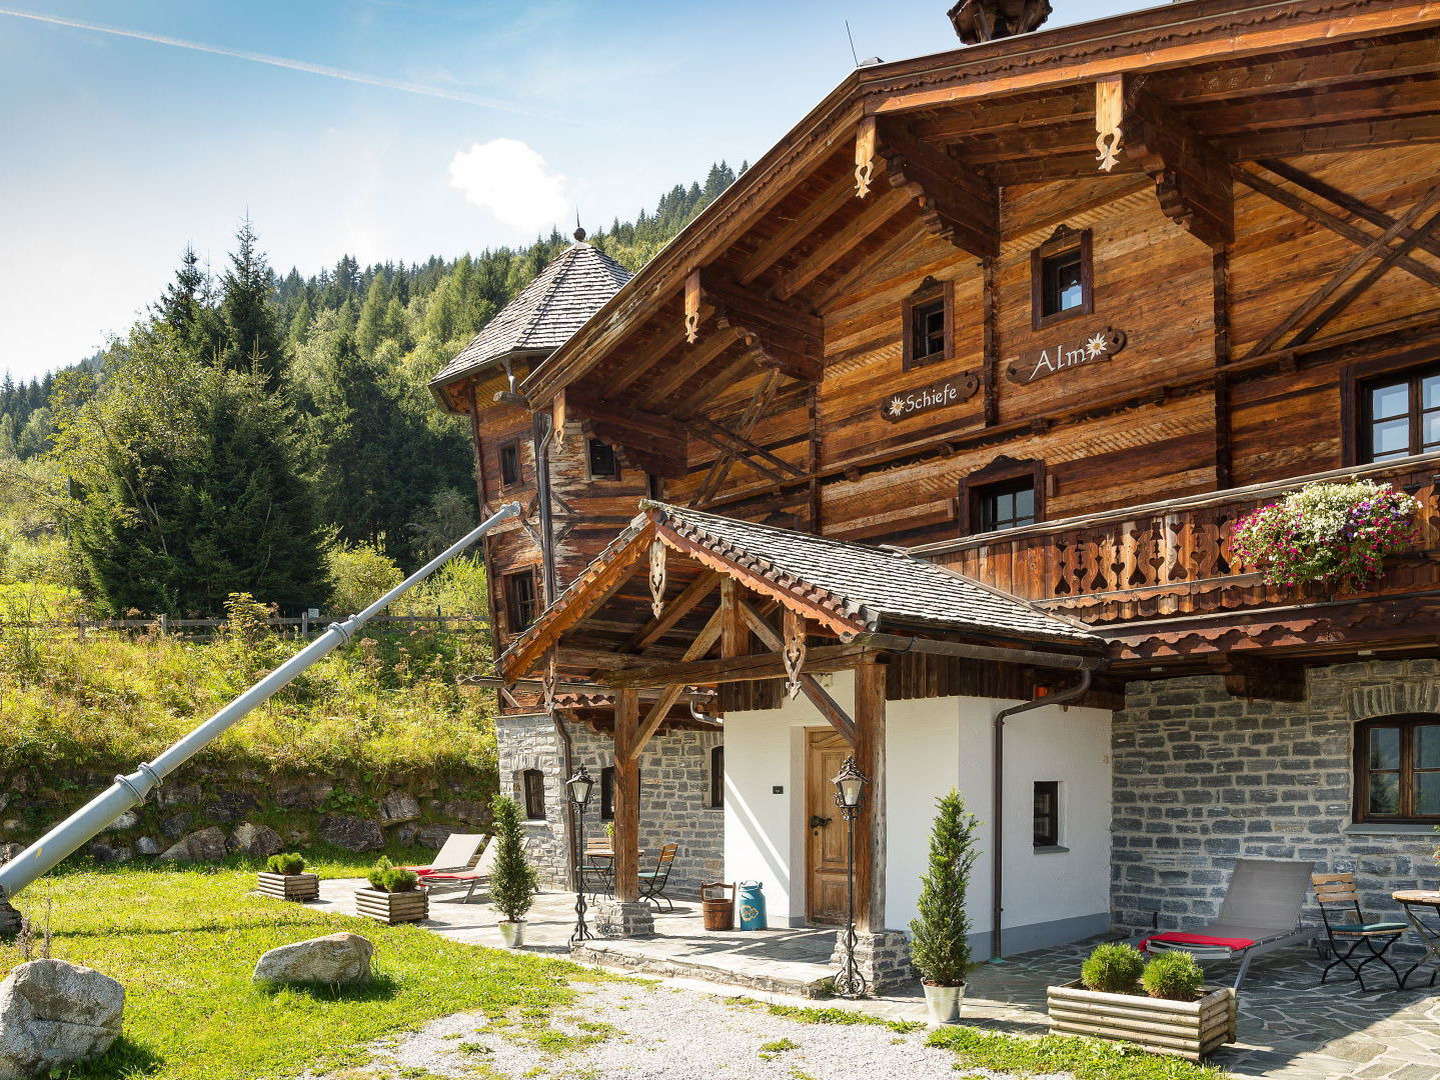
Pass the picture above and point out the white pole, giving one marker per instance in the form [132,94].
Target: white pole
[128,791]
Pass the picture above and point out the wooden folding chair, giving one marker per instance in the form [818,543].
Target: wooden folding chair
[1346,929]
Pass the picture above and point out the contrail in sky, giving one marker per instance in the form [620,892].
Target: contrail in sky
[275,61]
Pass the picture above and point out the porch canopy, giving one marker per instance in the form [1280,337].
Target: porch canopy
[683,601]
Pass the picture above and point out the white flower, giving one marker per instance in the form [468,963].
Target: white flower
[1097,345]
[897,406]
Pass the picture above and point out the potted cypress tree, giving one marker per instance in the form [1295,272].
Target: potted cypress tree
[513,883]
[939,937]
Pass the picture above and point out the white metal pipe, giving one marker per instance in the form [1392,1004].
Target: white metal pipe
[129,791]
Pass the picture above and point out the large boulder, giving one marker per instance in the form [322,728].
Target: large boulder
[54,1014]
[339,958]
[258,840]
[470,811]
[206,845]
[302,794]
[398,807]
[351,833]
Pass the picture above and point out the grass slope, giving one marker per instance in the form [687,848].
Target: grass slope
[184,944]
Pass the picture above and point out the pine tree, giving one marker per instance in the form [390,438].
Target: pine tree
[250,340]
[939,937]
[513,882]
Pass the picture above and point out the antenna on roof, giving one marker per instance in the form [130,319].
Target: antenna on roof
[853,54]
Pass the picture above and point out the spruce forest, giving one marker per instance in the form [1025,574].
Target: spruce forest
[263,434]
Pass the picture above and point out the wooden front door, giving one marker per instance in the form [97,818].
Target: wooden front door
[826,851]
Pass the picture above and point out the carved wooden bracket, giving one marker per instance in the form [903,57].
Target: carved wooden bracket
[864,157]
[1192,178]
[781,336]
[1109,119]
[692,307]
[793,653]
[958,205]
[657,577]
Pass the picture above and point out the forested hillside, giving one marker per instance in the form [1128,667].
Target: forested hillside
[263,433]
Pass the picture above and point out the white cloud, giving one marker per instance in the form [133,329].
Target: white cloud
[511,180]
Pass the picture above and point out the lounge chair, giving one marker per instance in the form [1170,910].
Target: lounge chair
[476,876]
[459,852]
[1260,913]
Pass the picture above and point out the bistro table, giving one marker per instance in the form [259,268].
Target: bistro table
[1422,909]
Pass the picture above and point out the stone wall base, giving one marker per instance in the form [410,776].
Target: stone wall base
[622,919]
[882,955]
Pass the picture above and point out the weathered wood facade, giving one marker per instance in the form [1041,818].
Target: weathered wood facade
[861,340]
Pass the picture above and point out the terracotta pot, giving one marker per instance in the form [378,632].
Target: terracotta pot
[943,1002]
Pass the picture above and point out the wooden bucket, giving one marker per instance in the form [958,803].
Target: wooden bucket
[719,910]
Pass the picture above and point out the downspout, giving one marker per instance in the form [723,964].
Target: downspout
[997,803]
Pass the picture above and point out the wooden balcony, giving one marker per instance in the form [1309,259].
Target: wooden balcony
[1173,559]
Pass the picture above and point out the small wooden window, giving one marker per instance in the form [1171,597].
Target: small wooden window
[604,463]
[928,322]
[1005,494]
[1401,415]
[1397,769]
[1061,278]
[519,600]
[717,777]
[532,783]
[607,792]
[510,463]
[1047,813]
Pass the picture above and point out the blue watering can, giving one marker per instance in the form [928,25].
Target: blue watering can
[751,895]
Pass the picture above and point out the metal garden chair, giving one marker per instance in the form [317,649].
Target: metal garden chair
[1338,901]
[653,882]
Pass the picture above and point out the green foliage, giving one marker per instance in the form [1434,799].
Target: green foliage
[192,1013]
[513,882]
[776,1047]
[939,942]
[387,877]
[1173,975]
[289,863]
[1113,969]
[359,575]
[1081,1059]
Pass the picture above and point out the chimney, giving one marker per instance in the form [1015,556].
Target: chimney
[989,20]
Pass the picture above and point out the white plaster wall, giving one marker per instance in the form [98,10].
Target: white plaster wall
[932,746]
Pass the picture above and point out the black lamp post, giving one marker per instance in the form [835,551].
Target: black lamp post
[849,791]
[578,787]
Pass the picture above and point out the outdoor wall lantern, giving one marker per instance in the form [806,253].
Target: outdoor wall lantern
[849,792]
[579,787]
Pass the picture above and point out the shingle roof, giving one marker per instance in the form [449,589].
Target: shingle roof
[571,288]
[866,584]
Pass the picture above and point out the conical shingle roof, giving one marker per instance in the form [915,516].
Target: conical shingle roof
[571,288]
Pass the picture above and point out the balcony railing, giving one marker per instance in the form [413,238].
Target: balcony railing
[1174,558]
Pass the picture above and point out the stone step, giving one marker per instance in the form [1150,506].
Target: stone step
[778,977]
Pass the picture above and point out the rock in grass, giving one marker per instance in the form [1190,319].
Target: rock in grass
[337,959]
[206,845]
[54,1014]
[260,840]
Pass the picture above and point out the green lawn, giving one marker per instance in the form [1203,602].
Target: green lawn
[185,942]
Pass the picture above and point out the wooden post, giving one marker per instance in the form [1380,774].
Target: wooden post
[627,797]
[870,822]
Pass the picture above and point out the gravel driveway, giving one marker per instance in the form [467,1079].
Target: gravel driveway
[650,1032]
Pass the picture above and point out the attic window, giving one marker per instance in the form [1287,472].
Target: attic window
[1061,278]
[927,315]
[604,464]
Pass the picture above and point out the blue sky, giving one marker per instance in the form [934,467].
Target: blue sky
[118,151]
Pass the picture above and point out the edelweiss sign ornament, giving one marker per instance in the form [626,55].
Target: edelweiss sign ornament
[908,403]
[1096,349]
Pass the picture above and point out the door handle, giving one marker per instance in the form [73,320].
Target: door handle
[818,822]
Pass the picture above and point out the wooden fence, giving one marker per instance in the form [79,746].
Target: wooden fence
[302,625]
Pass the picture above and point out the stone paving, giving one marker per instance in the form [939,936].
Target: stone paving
[1290,1027]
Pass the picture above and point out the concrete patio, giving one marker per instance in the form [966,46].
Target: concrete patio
[1290,1028]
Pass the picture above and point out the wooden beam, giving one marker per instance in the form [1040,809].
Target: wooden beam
[689,363]
[842,242]
[754,412]
[733,632]
[1377,101]
[676,610]
[745,668]
[703,643]
[959,205]
[1270,679]
[834,714]
[814,214]
[743,444]
[627,797]
[1366,135]
[1333,222]
[1377,248]
[1192,178]
[787,338]
[870,824]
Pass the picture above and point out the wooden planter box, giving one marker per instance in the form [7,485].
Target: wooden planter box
[299,887]
[392,907]
[1188,1029]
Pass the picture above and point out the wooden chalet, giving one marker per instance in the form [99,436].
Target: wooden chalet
[1024,326]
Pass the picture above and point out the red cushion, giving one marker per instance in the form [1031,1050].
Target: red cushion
[1179,937]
